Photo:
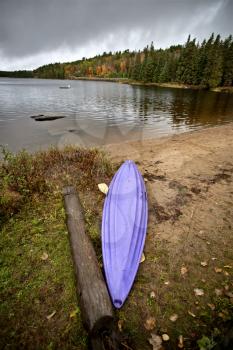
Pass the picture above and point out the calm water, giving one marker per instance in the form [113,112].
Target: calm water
[101,112]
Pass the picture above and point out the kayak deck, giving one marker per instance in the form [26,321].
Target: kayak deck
[124,227]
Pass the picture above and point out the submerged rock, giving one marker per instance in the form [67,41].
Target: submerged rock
[42,117]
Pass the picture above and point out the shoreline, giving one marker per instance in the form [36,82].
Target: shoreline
[173,85]
[137,147]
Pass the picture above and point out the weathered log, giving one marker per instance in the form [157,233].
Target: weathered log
[95,303]
[42,118]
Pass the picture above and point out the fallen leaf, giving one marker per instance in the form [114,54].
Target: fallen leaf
[191,314]
[211,306]
[44,256]
[166,283]
[217,269]
[150,323]
[173,317]
[152,295]
[120,325]
[204,263]
[214,258]
[229,294]
[51,315]
[207,242]
[226,273]
[198,292]
[218,292]
[74,313]
[155,341]
[183,270]
[227,267]
[143,258]
[181,342]
[165,337]
[103,188]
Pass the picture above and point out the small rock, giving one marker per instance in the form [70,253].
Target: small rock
[204,263]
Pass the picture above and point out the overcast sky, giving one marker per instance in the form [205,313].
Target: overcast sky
[36,32]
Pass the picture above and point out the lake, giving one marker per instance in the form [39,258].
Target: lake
[98,113]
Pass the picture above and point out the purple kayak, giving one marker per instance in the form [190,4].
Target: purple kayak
[124,227]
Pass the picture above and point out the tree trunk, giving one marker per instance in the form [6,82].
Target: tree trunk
[95,303]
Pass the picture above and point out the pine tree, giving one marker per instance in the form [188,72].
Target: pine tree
[227,79]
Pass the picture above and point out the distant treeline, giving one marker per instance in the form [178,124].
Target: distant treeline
[17,74]
[208,64]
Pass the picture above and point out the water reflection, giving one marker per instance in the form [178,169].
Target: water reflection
[99,112]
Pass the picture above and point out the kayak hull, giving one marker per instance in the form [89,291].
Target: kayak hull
[124,226]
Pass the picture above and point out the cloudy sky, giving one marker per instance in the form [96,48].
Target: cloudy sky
[36,32]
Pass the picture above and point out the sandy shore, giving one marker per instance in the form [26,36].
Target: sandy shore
[189,241]
[188,176]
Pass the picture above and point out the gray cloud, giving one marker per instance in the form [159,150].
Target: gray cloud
[70,29]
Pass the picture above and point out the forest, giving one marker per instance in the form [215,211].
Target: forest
[208,64]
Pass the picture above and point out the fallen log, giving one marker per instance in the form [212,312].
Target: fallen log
[95,303]
[42,117]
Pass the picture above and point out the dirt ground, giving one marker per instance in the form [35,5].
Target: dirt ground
[188,177]
[189,241]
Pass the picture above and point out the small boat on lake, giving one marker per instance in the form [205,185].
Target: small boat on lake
[65,87]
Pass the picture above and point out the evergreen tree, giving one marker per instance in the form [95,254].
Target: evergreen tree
[209,64]
[227,79]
